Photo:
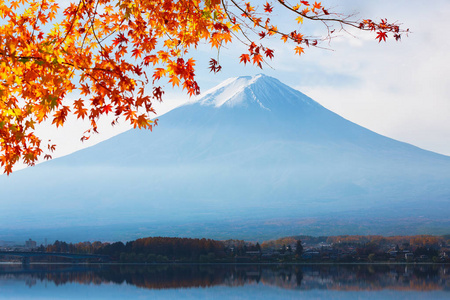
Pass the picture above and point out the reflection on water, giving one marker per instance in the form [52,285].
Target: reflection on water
[291,277]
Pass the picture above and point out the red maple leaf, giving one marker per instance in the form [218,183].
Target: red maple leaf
[381,36]
[214,66]
[268,8]
[106,109]
[269,53]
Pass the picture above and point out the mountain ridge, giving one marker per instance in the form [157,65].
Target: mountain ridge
[247,163]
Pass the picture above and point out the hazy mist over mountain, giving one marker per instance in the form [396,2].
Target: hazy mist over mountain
[253,158]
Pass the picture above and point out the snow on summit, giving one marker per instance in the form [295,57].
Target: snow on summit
[229,92]
[260,90]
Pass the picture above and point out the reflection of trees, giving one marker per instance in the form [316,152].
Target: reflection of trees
[305,277]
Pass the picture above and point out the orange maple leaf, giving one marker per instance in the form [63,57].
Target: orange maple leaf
[175,80]
[299,50]
[245,58]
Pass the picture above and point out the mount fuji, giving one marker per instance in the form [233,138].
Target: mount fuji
[252,158]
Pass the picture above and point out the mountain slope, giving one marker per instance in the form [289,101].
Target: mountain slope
[252,158]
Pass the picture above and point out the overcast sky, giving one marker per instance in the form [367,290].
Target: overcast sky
[398,89]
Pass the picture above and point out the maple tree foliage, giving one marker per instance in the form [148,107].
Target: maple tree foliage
[106,53]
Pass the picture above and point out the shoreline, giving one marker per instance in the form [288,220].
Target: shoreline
[230,263]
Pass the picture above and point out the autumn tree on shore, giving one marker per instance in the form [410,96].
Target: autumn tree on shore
[299,248]
[105,54]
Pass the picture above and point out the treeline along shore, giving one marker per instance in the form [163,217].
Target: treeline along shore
[296,249]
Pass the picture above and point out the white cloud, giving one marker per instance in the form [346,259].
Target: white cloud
[401,90]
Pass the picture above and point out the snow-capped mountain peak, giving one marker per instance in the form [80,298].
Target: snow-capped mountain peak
[229,92]
[227,167]
[261,91]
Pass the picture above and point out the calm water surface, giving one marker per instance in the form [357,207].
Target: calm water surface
[59,281]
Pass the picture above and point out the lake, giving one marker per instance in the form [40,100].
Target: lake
[229,281]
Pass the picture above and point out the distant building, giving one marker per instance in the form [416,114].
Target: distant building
[30,244]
